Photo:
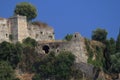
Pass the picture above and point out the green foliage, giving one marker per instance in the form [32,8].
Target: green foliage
[9,52]
[77,74]
[118,43]
[112,46]
[29,42]
[109,50]
[94,51]
[29,56]
[64,62]
[6,71]
[37,77]
[26,9]
[99,35]
[115,63]
[54,67]
[68,37]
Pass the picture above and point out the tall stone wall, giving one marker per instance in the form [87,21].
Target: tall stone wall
[14,28]
[22,28]
[18,28]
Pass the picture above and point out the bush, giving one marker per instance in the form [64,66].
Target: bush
[52,67]
[94,50]
[6,71]
[9,52]
[68,37]
[30,42]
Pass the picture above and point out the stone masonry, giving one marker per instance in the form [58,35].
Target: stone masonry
[76,46]
[17,28]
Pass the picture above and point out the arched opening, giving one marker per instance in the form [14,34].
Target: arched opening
[75,35]
[46,49]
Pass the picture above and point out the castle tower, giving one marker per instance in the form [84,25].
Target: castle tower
[18,28]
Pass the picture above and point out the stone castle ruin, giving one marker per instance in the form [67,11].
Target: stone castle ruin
[16,29]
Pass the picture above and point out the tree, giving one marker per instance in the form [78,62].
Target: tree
[6,71]
[99,35]
[29,42]
[115,59]
[26,9]
[118,43]
[68,37]
[109,50]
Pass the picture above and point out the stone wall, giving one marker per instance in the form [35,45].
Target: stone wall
[4,30]
[18,28]
[22,28]
[76,46]
[40,33]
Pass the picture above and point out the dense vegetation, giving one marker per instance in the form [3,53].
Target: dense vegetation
[99,35]
[58,67]
[10,56]
[108,55]
[103,55]
[95,53]
[45,66]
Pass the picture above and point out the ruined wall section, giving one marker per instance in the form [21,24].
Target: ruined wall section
[22,28]
[14,29]
[41,33]
[4,30]
[76,46]
[18,28]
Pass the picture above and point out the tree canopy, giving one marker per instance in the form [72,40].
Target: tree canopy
[99,35]
[26,9]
